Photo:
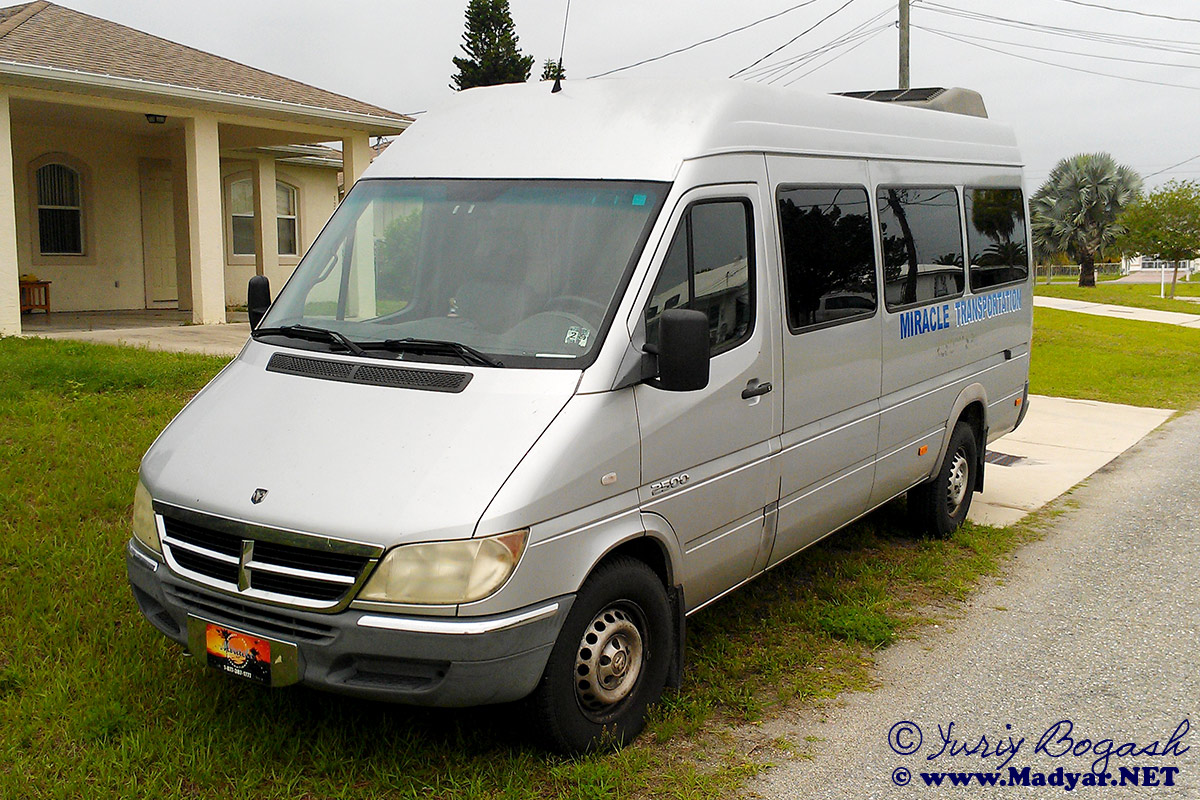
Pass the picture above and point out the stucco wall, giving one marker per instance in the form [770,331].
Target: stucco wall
[110,275]
[316,200]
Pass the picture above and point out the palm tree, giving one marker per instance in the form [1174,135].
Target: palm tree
[1075,212]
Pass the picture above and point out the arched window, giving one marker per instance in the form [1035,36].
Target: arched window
[59,210]
[241,210]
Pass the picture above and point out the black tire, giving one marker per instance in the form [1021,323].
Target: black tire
[938,506]
[610,662]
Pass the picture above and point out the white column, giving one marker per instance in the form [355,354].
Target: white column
[205,232]
[356,157]
[266,227]
[10,271]
[361,288]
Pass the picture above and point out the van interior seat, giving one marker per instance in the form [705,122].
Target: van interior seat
[495,305]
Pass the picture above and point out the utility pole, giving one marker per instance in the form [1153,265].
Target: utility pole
[904,44]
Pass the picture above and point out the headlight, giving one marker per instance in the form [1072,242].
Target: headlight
[145,529]
[446,573]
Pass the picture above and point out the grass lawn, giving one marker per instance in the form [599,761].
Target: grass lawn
[1115,360]
[1140,295]
[94,703]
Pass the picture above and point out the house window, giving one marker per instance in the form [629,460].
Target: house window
[241,211]
[59,210]
[285,212]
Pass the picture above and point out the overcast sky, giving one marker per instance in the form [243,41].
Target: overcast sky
[396,54]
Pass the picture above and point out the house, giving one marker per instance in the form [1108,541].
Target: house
[136,172]
[1139,263]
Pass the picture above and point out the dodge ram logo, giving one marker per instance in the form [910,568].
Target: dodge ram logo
[258,496]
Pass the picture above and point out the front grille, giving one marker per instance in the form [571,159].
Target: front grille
[256,566]
[253,619]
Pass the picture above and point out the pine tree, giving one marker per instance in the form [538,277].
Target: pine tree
[551,70]
[490,44]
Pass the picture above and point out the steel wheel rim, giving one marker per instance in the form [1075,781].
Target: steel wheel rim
[956,485]
[608,660]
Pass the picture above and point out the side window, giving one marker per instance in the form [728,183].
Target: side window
[921,231]
[996,237]
[709,268]
[828,255]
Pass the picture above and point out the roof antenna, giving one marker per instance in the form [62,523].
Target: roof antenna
[558,72]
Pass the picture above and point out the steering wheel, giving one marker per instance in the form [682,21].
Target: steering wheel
[576,301]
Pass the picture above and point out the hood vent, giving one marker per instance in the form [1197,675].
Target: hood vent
[369,374]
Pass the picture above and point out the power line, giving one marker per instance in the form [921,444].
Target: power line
[1173,166]
[1131,11]
[1064,66]
[839,55]
[775,68]
[704,41]
[794,38]
[868,34]
[1188,47]
[1056,50]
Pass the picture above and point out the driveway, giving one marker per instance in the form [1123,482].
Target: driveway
[1097,624]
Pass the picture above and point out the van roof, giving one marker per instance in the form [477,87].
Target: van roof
[645,129]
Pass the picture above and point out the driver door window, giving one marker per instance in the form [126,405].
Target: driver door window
[709,268]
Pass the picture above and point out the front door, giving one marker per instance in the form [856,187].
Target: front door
[158,234]
[706,455]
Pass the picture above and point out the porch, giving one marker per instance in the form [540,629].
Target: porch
[140,173]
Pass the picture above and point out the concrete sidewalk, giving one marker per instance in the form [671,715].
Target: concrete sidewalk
[213,340]
[1119,312]
[1060,443]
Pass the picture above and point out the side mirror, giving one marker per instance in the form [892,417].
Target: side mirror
[683,350]
[258,299]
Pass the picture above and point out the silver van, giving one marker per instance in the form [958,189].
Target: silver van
[564,368]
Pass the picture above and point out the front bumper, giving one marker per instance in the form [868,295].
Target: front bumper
[434,661]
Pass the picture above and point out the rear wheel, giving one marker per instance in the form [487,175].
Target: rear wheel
[610,662]
[938,506]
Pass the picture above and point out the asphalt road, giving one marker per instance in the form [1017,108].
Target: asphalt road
[1098,623]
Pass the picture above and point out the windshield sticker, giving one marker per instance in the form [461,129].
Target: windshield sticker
[960,313]
[578,335]
[639,199]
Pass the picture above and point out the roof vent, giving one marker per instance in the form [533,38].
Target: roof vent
[953,100]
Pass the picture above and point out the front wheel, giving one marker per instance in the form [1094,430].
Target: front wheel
[938,506]
[610,662]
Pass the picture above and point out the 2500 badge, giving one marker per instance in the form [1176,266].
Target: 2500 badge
[667,484]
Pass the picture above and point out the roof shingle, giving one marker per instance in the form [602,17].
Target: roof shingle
[46,35]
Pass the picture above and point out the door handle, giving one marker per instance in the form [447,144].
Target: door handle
[756,389]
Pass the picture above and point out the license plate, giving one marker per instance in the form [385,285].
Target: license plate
[238,653]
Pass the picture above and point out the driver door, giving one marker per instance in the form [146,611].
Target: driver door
[706,461]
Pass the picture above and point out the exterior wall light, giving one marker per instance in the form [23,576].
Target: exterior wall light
[156,119]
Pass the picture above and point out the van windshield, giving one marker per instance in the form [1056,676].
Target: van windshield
[520,272]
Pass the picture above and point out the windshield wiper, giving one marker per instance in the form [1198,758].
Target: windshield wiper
[313,334]
[467,353]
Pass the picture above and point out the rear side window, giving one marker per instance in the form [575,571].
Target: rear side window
[996,237]
[709,267]
[828,255]
[921,232]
